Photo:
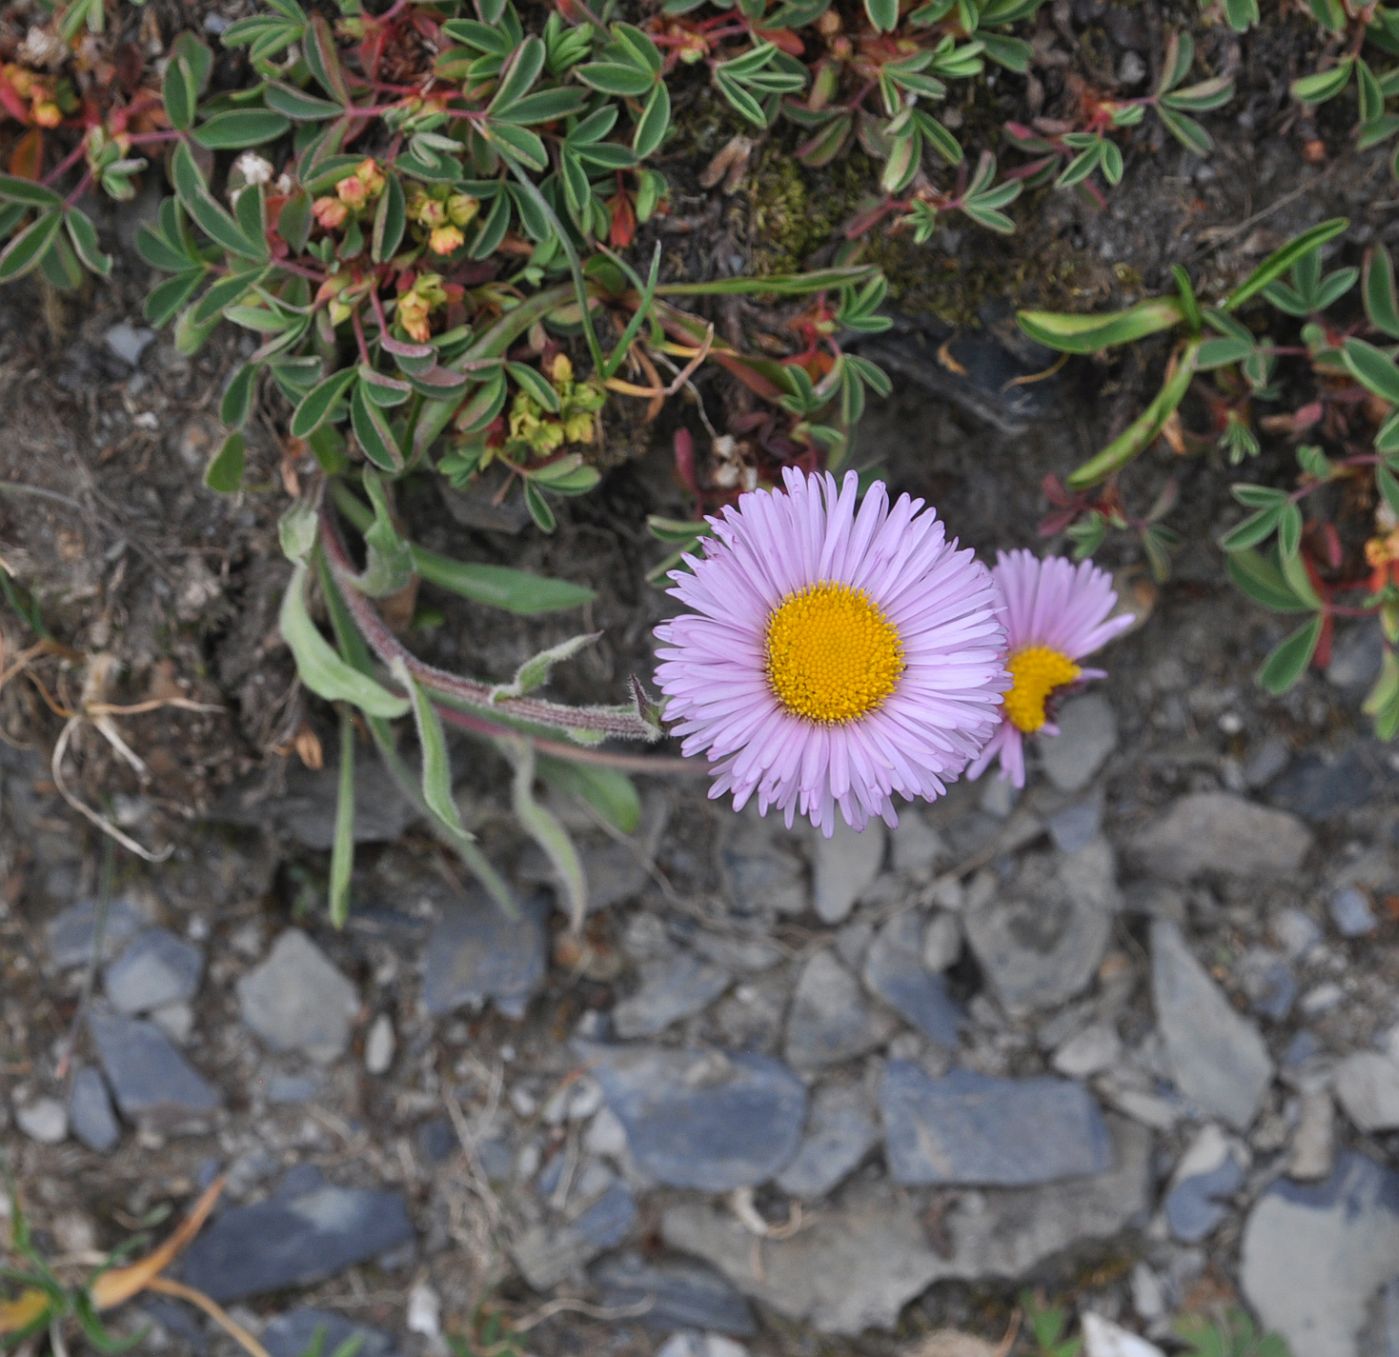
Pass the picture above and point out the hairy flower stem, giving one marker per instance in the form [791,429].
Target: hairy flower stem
[601,721]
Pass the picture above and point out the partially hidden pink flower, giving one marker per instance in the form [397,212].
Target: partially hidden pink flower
[833,655]
[1056,614]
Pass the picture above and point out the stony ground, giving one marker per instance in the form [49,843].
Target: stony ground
[1132,1036]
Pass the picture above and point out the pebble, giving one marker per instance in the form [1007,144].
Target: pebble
[71,935]
[478,954]
[176,1021]
[672,988]
[829,1019]
[156,969]
[1351,913]
[942,942]
[1040,943]
[45,1120]
[296,1000]
[761,868]
[682,1294]
[1211,1171]
[840,1132]
[895,972]
[1077,824]
[1320,787]
[307,1231]
[128,342]
[1313,1151]
[709,1120]
[701,1345]
[1217,1057]
[1315,1255]
[293,1334]
[843,867]
[1090,1051]
[380,1045]
[1087,738]
[1367,1085]
[150,1080]
[969,1128]
[1296,931]
[553,1252]
[1218,832]
[90,1112]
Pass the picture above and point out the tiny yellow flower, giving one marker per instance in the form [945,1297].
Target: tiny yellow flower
[461,208]
[371,176]
[445,239]
[47,114]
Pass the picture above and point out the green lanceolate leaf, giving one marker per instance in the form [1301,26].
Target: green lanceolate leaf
[1144,430]
[320,667]
[609,792]
[535,671]
[225,471]
[1289,661]
[26,251]
[546,830]
[1381,297]
[437,767]
[240,127]
[320,402]
[342,846]
[237,401]
[1283,259]
[1090,334]
[1374,369]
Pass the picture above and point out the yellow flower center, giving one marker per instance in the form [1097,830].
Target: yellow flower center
[832,654]
[1035,672]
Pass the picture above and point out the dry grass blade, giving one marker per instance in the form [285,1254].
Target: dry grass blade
[121,1284]
[216,1312]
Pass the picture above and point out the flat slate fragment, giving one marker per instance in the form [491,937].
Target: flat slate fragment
[703,1119]
[294,1239]
[967,1128]
[682,1294]
[478,953]
[292,1334]
[149,1077]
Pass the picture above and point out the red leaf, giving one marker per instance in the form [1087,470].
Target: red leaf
[27,158]
[623,230]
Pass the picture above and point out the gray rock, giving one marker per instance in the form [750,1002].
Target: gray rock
[852,1268]
[1320,787]
[44,1120]
[477,953]
[1297,933]
[895,972]
[942,942]
[90,1112]
[706,1120]
[150,1079]
[379,1045]
[127,342]
[1313,1151]
[1356,658]
[1216,1056]
[857,1263]
[840,1132]
[761,868]
[176,1021]
[700,1345]
[843,867]
[305,810]
[292,1334]
[1268,981]
[829,1019]
[305,1233]
[551,1253]
[1102,1338]
[1210,1173]
[1090,1051]
[1077,824]
[1219,832]
[72,935]
[671,988]
[1367,1084]
[296,1000]
[682,1294]
[1381,1338]
[1086,740]
[156,969]
[968,1128]
[1041,943]
[1351,913]
[1315,1255]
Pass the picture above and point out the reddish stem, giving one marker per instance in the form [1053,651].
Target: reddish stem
[67,163]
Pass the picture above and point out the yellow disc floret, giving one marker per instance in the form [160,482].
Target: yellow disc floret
[1035,672]
[832,654]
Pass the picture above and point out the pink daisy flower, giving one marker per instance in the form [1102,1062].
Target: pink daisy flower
[1056,613]
[833,655]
